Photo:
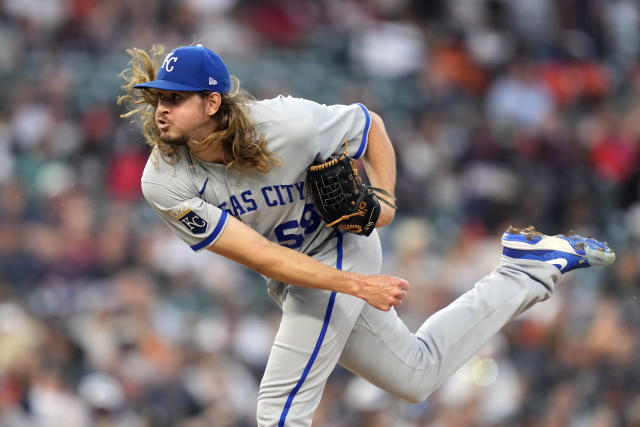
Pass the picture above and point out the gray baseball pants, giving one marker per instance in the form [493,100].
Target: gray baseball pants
[322,328]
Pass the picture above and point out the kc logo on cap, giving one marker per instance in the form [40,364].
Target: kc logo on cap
[166,64]
[191,69]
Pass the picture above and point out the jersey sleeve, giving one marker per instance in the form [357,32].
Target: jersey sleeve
[336,123]
[196,222]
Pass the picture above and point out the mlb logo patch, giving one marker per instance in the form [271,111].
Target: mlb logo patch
[193,222]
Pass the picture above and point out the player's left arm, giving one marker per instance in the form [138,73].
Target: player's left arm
[380,164]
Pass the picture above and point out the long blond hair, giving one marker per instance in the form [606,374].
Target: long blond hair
[243,148]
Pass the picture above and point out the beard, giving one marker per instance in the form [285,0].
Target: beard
[177,141]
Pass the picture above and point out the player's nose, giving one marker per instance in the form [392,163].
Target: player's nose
[163,106]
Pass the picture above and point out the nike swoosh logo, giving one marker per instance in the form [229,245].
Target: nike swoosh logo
[201,192]
[558,262]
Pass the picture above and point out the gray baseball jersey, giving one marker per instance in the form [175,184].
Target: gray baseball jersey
[321,328]
[195,198]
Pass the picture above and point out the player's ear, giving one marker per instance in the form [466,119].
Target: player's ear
[214,100]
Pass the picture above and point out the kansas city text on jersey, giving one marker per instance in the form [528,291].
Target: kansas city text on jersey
[269,195]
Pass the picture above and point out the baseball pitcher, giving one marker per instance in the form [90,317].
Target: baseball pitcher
[271,184]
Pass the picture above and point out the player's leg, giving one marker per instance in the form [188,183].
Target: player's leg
[410,366]
[313,331]
[382,350]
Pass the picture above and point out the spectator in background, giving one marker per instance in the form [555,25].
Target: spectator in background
[518,99]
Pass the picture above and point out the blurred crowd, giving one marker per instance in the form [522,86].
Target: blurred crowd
[501,111]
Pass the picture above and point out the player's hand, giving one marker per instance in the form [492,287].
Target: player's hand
[383,292]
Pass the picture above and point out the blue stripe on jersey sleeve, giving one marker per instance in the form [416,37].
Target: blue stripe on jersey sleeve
[214,234]
[365,132]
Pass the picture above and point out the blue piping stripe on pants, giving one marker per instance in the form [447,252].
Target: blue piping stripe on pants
[323,331]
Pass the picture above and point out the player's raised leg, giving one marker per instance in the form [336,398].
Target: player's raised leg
[411,366]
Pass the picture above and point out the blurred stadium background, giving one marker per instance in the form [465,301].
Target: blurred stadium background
[502,112]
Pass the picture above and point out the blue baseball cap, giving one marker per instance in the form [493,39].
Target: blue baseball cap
[191,69]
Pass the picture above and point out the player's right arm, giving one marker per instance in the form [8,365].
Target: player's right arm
[244,245]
